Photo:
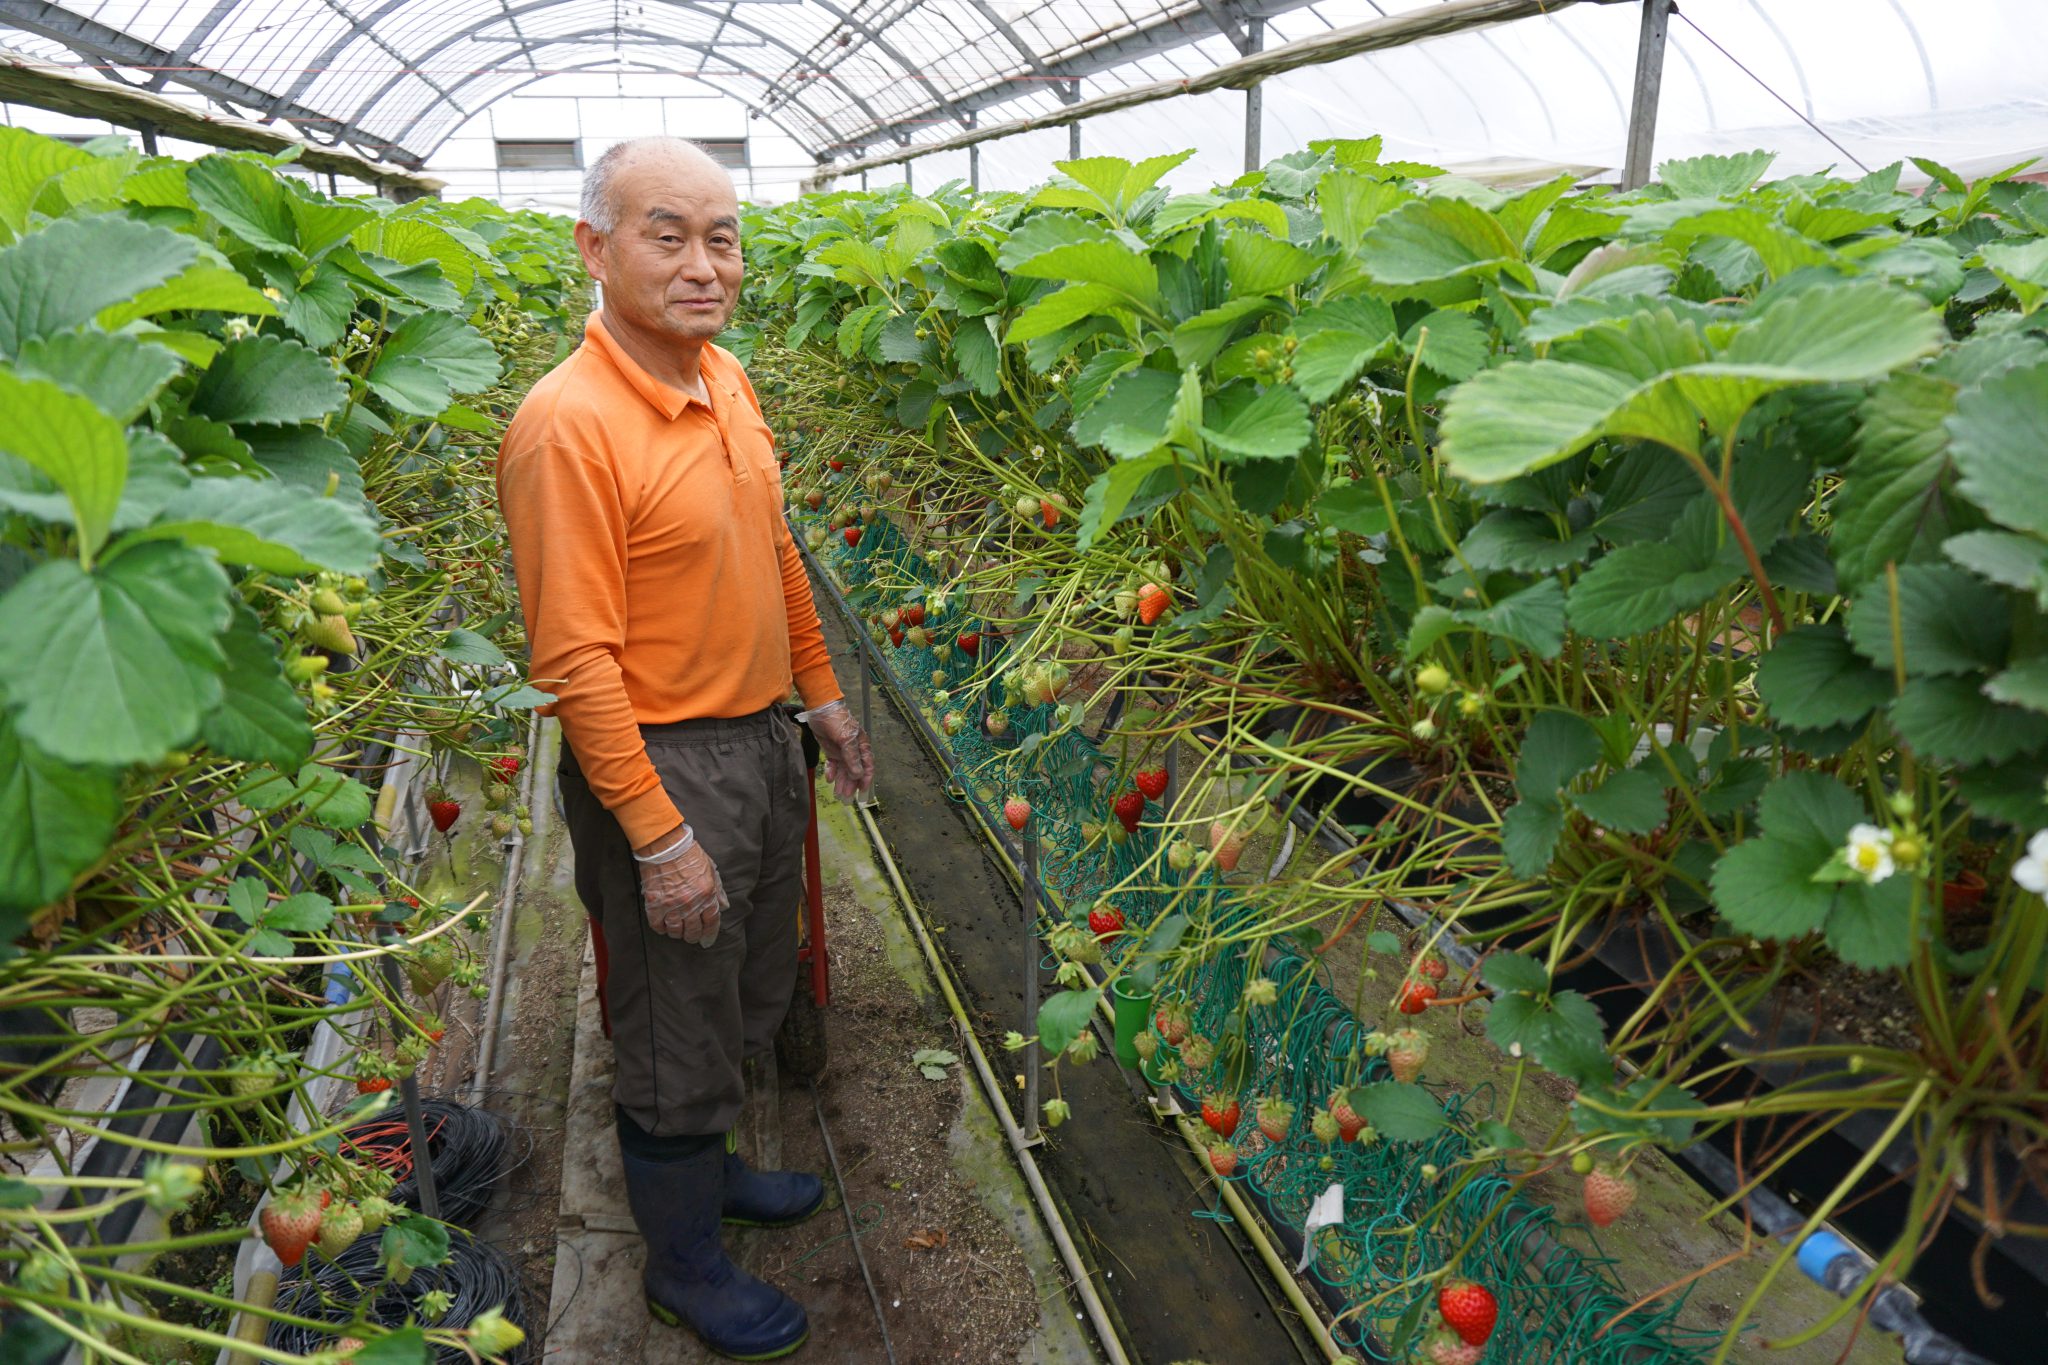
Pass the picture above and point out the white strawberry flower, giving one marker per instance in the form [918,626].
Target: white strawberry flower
[1870,853]
[2031,871]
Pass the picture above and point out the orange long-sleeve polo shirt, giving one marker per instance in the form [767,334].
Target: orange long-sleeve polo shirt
[656,573]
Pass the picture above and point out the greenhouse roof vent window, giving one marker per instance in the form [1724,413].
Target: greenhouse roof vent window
[566,155]
[726,151]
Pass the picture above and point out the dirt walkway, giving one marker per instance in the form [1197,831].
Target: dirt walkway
[961,1267]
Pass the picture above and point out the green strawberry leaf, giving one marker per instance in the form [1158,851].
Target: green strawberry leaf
[268,381]
[128,657]
[55,820]
[260,718]
[1812,678]
[1402,1112]
[1061,1019]
[57,278]
[69,440]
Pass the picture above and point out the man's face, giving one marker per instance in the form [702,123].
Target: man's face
[671,267]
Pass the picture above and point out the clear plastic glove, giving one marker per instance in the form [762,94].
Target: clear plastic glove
[849,761]
[681,891]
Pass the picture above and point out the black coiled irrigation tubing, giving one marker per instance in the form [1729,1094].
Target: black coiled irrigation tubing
[471,1151]
[352,1288]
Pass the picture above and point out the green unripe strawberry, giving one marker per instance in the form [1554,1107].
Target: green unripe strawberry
[328,602]
[329,632]
[340,1225]
[431,963]
[303,668]
[42,1273]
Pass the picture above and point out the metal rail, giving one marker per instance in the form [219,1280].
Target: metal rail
[1432,21]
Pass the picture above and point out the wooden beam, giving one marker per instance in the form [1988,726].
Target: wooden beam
[68,92]
[1433,21]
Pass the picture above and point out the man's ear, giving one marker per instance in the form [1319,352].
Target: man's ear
[591,243]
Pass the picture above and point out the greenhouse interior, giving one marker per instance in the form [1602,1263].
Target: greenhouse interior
[1393,705]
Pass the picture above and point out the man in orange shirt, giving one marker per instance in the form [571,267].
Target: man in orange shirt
[669,613]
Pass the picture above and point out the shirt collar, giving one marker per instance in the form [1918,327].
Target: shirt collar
[664,398]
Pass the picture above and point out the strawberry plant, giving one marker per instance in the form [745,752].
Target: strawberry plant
[245,448]
[1663,567]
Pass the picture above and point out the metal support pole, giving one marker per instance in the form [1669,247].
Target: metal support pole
[1642,118]
[974,167]
[148,131]
[415,1123]
[867,723]
[1254,101]
[863,181]
[1073,142]
[1032,953]
[909,169]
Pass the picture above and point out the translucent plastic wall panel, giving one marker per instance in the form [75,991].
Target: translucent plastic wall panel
[163,22]
[1956,79]
[270,45]
[708,118]
[930,172]
[1211,126]
[1022,161]
[1959,80]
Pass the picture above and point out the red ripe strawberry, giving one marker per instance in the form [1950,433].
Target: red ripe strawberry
[1018,812]
[1228,843]
[1153,601]
[1444,1348]
[1609,1194]
[1151,781]
[852,534]
[1415,996]
[1130,809]
[1276,1116]
[1105,921]
[1349,1124]
[1433,967]
[290,1222]
[1406,1053]
[1050,510]
[969,642]
[896,636]
[443,812]
[1469,1310]
[1223,1159]
[370,1085]
[913,615]
[1221,1113]
[505,767]
[837,465]
[1170,1021]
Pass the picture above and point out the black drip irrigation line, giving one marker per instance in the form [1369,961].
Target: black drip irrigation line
[852,1227]
[352,1288]
[468,1152]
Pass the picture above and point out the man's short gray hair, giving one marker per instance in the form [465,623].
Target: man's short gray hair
[596,207]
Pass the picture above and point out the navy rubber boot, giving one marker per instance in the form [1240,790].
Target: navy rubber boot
[769,1199]
[689,1279]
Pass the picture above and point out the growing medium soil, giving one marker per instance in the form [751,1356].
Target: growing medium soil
[953,1283]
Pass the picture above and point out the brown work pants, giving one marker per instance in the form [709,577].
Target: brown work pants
[683,1016]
